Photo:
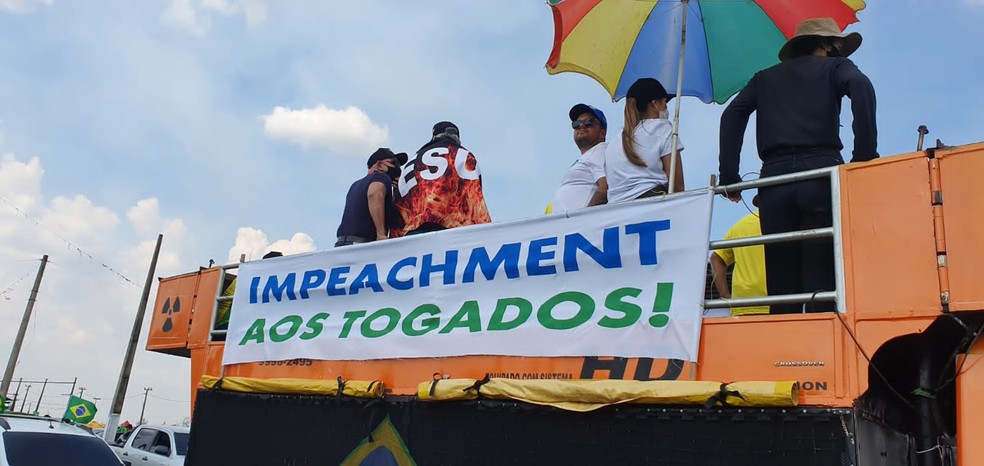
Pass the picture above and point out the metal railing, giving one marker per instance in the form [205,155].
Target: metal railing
[219,299]
[834,231]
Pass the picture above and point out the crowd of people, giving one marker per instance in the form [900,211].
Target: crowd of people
[797,105]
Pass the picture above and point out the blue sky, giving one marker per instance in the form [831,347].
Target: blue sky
[231,125]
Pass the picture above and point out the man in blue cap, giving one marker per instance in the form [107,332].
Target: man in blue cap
[584,183]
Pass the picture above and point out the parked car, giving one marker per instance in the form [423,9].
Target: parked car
[45,441]
[153,445]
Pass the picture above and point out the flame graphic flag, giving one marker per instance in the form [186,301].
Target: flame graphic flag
[79,410]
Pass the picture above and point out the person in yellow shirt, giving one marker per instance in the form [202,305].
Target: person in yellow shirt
[748,277]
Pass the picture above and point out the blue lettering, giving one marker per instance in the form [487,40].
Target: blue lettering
[337,277]
[609,258]
[395,283]
[507,255]
[537,255]
[647,238]
[273,287]
[312,279]
[254,286]
[427,267]
[368,278]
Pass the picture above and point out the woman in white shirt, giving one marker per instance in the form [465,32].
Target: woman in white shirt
[636,165]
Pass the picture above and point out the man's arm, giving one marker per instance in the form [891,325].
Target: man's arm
[854,84]
[600,195]
[734,120]
[376,195]
[720,270]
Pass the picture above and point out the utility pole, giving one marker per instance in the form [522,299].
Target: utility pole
[81,391]
[144,407]
[124,381]
[71,392]
[15,352]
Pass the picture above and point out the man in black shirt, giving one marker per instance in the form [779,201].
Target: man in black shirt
[797,105]
[369,212]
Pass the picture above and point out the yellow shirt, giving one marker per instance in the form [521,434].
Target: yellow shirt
[748,278]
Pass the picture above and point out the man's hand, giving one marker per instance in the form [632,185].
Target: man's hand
[733,196]
[382,166]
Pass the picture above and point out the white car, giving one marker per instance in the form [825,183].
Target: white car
[42,441]
[150,445]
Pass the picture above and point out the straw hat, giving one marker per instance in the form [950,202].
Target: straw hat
[820,27]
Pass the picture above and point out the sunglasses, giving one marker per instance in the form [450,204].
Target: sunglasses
[577,124]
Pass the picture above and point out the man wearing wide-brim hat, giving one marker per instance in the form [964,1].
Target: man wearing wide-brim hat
[797,105]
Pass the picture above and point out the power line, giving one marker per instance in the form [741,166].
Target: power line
[168,399]
[70,244]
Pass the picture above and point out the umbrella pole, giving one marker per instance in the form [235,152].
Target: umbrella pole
[676,116]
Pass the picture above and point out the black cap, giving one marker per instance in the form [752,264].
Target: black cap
[442,127]
[384,153]
[581,109]
[647,89]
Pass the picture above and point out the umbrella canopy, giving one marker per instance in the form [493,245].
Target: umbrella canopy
[618,41]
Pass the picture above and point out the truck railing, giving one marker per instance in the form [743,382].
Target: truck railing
[837,295]
[834,231]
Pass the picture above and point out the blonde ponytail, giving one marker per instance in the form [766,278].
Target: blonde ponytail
[628,141]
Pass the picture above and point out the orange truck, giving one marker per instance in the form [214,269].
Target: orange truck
[895,377]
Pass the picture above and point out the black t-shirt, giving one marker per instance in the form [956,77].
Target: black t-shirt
[356,220]
[798,104]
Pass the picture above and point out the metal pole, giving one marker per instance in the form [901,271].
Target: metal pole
[27,391]
[13,404]
[15,352]
[81,391]
[923,131]
[117,407]
[144,407]
[71,392]
[45,384]
[685,4]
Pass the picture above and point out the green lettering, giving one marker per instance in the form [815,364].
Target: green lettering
[586,309]
[255,332]
[315,326]
[661,305]
[295,325]
[429,324]
[350,318]
[466,317]
[631,311]
[498,322]
[387,312]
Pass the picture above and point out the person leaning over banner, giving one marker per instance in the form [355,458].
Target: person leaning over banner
[584,183]
[637,163]
[370,213]
[748,277]
[797,105]
[441,187]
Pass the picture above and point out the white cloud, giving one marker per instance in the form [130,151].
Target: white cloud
[85,310]
[22,6]
[195,16]
[348,131]
[253,243]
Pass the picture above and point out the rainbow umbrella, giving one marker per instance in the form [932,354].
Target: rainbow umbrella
[726,41]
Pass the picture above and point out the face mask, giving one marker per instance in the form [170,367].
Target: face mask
[664,115]
[393,172]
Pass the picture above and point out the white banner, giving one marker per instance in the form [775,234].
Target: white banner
[621,280]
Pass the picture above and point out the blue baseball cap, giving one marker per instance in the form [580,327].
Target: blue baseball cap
[578,109]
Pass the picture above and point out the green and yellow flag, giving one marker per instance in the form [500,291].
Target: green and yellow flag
[80,411]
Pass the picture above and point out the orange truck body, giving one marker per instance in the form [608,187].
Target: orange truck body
[913,253]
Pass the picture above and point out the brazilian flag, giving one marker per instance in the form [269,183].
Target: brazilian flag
[80,411]
[384,447]
[3,404]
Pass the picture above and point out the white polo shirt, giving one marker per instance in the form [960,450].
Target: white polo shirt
[581,180]
[653,141]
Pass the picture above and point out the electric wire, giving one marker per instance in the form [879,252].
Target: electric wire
[71,245]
